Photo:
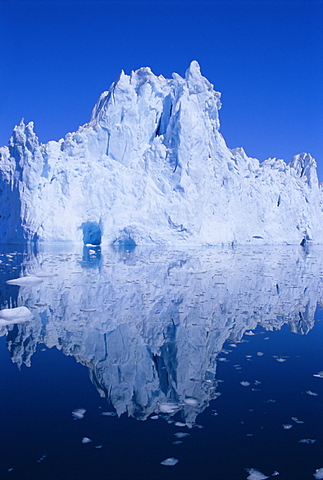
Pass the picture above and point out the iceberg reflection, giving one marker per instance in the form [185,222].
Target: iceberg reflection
[149,325]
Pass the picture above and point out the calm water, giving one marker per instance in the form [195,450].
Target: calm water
[207,359]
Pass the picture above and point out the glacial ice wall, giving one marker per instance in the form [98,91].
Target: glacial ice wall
[151,167]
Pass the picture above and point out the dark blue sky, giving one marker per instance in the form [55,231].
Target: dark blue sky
[265,56]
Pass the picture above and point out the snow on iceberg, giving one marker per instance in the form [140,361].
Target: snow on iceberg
[11,316]
[151,167]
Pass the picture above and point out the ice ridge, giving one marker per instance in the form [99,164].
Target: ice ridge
[151,167]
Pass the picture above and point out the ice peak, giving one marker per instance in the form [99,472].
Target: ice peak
[193,71]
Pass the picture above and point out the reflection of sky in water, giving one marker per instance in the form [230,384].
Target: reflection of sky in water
[196,342]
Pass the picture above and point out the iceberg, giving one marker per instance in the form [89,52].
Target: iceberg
[152,168]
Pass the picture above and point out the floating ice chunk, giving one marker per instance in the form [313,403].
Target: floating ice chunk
[10,316]
[191,401]
[296,420]
[249,333]
[86,440]
[280,358]
[87,310]
[154,417]
[168,407]
[313,394]
[245,383]
[307,440]
[98,446]
[181,434]
[275,473]
[287,426]
[108,414]
[255,474]
[223,359]
[180,424]
[169,462]
[318,474]
[25,281]
[318,375]
[260,354]
[177,442]
[78,413]
[42,458]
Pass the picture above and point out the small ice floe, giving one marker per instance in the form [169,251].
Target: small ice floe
[280,358]
[287,426]
[169,462]
[257,382]
[233,345]
[260,354]
[245,383]
[98,446]
[271,400]
[313,394]
[255,474]
[177,442]
[181,434]
[318,375]
[10,316]
[78,413]
[86,440]
[191,401]
[249,333]
[25,281]
[296,420]
[318,474]
[223,359]
[42,458]
[87,310]
[309,441]
[180,424]
[108,414]
[168,407]
[10,470]
[154,417]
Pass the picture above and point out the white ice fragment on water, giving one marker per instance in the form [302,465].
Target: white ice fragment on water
[88,310]
[255,474]
[168,407]
[279,358]
[177,442]
[275,473]
[296,420]
[42,458]
[108,414]
[169,462]
[318,474]
[78,413]
[98,446]
[180,424]
[25,281]
[154,417]
[249,333]
[191,401]
[181,434]
[318,375]
[10,316]
[260,354]
[313,394]
[9,469]
[307,440]
[233,345]
[287,426]
[86,440]
[245,383]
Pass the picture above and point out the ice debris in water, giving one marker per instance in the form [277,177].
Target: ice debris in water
[169,462]
[318,375]
[255,474]
[154,417]
[42,458]
[191,401]
[86,440]
[287,426]
[108,414]
[307,440]
[9,316]
[25,281]
[318,474]
[313,394]
[180,424]
[78,413]
[181,434]
[245,384]
[168,407]
[296,420]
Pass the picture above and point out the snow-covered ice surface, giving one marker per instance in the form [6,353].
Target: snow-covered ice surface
[151,167]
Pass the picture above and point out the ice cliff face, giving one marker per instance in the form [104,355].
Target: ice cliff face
[152,167]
